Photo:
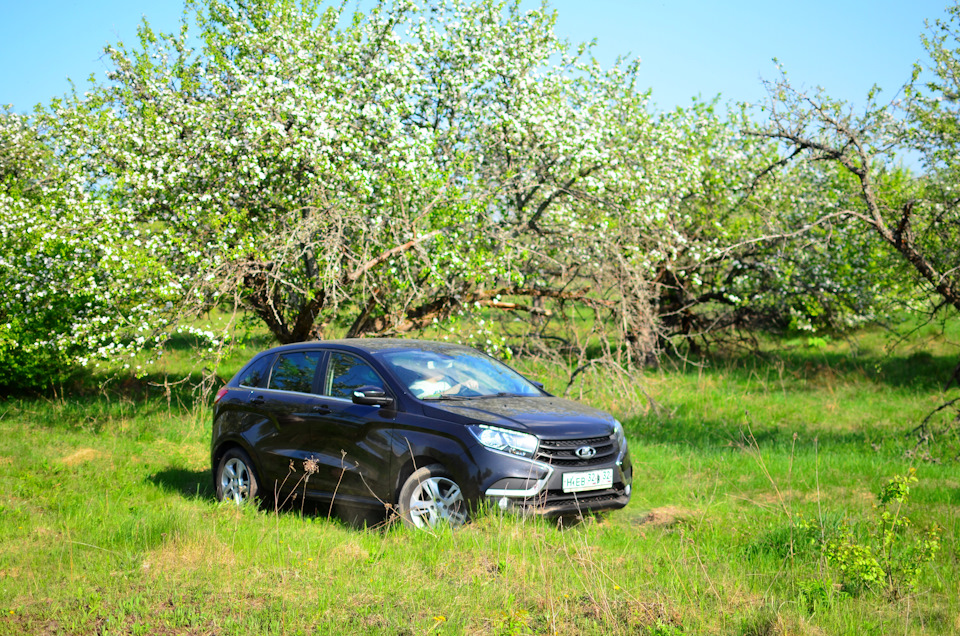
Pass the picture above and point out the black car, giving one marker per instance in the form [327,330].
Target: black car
[427,429]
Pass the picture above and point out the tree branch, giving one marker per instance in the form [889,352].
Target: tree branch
[353,276]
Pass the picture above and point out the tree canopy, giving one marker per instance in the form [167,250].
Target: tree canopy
[388,171]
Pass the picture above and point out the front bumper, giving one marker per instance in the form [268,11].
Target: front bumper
[556,503]
[541,492]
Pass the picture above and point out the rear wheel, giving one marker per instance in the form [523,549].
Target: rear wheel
[236,478]
[430,497]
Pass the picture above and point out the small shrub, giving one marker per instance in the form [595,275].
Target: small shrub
[893,553]
[819,593]
[857,564]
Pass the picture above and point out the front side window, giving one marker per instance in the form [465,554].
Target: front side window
[294,371]
[346,373]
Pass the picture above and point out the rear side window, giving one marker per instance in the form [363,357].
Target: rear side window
[346,373]
[294,371]
[256,376]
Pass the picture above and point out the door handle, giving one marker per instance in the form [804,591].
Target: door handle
[322,409]
[257,400]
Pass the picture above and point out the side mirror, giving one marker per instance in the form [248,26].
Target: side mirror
[372,396]
[539,385]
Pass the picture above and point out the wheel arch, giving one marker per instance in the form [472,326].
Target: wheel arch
[415,449]
[411,465]
[221,449]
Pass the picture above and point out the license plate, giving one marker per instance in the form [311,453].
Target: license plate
[589,480]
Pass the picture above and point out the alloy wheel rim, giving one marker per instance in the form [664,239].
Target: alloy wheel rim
[437,500]
[235,481]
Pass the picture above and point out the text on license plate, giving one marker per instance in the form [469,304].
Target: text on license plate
[589,480]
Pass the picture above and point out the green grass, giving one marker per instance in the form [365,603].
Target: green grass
[108,524]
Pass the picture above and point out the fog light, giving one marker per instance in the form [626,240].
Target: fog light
[627,490]
[503,503]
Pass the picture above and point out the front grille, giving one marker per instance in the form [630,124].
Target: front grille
[554,499]
[562,452]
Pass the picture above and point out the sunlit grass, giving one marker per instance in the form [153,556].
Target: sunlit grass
[108,523]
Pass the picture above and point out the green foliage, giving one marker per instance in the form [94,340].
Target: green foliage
[857,565]
[818,595]
[889,554]
[904,550]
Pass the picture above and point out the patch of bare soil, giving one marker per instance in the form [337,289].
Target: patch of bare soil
[665,517]
[174,556]
[80,456]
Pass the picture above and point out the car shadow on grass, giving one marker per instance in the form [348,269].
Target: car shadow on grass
[197,485]
[192,484]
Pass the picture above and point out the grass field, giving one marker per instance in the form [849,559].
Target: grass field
[744,470]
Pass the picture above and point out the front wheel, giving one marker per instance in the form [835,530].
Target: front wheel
[430,497]
[236,478]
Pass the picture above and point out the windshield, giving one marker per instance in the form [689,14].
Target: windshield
[455,373]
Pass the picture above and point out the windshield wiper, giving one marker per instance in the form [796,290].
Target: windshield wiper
[457,397]
[505,394]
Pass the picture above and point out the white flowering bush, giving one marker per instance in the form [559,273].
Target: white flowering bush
[75,282]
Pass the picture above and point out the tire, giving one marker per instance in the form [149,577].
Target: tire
[430,497]
[237,479]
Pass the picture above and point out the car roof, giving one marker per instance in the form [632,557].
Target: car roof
[374,345]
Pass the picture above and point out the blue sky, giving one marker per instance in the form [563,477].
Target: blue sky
[687,47]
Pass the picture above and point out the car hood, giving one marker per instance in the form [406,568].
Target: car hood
[546,417]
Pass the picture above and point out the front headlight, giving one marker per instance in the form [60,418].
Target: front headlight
[505,440]
[619,436]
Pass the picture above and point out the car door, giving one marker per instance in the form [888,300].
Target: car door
[285,439]
[241,413]
[358,435]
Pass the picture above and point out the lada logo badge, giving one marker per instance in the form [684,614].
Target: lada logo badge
[585,452]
